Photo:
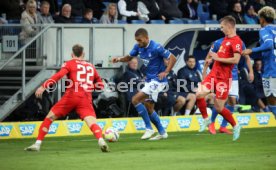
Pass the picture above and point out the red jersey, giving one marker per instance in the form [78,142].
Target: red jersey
[228,47]
[82,74]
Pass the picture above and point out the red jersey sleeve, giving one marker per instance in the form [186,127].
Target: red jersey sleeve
[65,69]
[99,85]
[237,46]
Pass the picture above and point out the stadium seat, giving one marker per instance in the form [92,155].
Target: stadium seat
[77,19]
[137,22]
[157,22]
[14,21]
[122,22]
[175,22]
[191,22]
[210,22]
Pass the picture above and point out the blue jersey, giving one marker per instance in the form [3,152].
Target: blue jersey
[268,36]
[153,58]
[215,48]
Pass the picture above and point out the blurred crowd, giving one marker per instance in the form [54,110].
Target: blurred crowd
[128,11]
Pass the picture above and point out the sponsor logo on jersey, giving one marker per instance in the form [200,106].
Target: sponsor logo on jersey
[101,124]
[139,125]
[53,128]
[74,127]
[184,123]
[120,125]
[5,130]
[27,130]
[165,123]
[263,119]
[243,120]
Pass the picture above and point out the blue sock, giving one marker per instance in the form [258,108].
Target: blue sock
[214,115]
[156,121]
[224,122]
[141,109]
[273,109]
[266,109]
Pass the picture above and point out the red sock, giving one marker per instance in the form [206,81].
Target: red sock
[44,128]
[227,115]
[202,106]
[97,131]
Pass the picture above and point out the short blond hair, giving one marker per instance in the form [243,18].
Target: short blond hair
[31,3]
[268,13]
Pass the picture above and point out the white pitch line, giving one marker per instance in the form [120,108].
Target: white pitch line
[138,138]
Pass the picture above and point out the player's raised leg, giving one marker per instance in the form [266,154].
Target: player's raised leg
[97,131]
[156,121]
[227,115]
[202,106]
[43,130]
[137,101]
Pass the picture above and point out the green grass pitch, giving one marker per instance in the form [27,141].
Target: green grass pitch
[256,149]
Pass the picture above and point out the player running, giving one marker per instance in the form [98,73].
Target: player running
[153,56]
[84,78]
[218,79]
[268,48]
[234,88]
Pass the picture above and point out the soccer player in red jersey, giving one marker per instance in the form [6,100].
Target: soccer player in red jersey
[220,77]
[83,79]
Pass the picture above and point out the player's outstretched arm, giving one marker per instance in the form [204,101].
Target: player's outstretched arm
[55,78]
[250,68]
[121,59]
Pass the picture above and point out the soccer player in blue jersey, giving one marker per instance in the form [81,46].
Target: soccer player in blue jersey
[268,48]
[234,89]
[153,56]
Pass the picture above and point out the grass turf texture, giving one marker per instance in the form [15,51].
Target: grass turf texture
[255,149]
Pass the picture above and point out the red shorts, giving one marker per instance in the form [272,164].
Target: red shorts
[81,103]
[218,85]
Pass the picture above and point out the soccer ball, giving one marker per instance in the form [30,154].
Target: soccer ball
[111,134]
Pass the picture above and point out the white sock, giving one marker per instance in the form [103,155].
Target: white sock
[38,142]
[187,112]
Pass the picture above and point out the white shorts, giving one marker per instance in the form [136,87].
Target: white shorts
[153,88]
[234,89]
[269,86]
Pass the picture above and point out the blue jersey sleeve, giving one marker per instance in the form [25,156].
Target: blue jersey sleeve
[267,40]
[215,46]
[163,52]
[134,51]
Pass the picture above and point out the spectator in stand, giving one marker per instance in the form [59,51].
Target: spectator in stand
[169,9]
[149,10]
[250,17]
[110,16]
[11,8]
[258,4]
[28,18]
[44,16]
[97,7]
[128,10]
[188,8]
[88,17]
[77,6]
[54,9]
[65,16]
[219,8]
[258,86]
[237,13]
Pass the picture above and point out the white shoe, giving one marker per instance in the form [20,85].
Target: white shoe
[206,122]
[103,145]
[148,134]
[34,147]
[159,137]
